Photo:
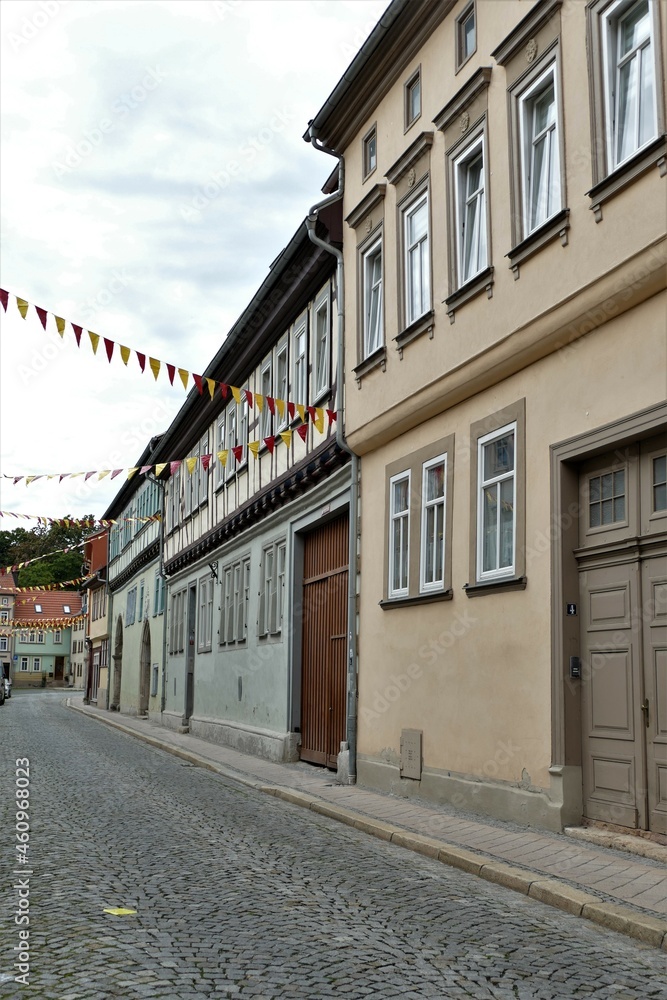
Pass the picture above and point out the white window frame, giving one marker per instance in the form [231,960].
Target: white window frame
[550,135]
[4,617]
[369,159]
[611,19]
[461,169]
[231,423]
[57,636]
[300,363]
[234,602]
[321,345]
[25,663]
[40,637]
[205,614]
[203,473]
[282,382]
[402,516]
[36,664]
[3,643]
[221,445]
[426,586]
[271,596]
[499,573]
[131,607]
[373,337]
[420,247]
[266,389]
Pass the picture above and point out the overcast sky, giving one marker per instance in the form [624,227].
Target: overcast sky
[152,168]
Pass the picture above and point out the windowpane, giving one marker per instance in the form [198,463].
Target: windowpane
[472,216]
[499,457]
[399,535]
[506,523]
[660,483]
[414,99]
[417,262]
[469,34]
[490,529]
[635,28]
[627,108]
[435,481]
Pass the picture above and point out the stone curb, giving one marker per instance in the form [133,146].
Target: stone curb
[649,930]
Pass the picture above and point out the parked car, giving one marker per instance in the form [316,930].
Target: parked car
[2,693]
[8,687]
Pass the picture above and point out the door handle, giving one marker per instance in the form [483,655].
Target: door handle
[644,707]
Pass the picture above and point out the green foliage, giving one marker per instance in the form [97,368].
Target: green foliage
[21,546]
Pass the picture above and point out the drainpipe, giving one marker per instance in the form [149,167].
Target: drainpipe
[311,223]
[163,513]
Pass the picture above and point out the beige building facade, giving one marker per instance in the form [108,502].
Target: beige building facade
[505,362]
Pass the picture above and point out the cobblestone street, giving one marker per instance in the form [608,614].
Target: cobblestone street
[238,894]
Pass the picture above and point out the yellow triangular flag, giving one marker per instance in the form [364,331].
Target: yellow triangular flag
[222,457]
[94,340]
[105,472]
[301,410]
[124,353]
[287,437]
[254,447]
[155,366]
[280,403]
[159,469]
[73,475]
[191,463]
[319,419]
[211,387]
[236,393]
[259,401]
[23,306]
[131,472]
[118,911]
[60,325]
[184,377]
[29,479]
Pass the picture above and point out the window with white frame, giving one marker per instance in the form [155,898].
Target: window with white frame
[57,635]
[432,560]
[33,636]
[158,594]
[371,264]
[540,151]
[321,336]
[413,98]
[24,636]
[266,389]
[205,614]
[300,382]
[131,606]
[399,534]
[369,152]
[234,603]
[271,596]
[417,264]
[36,663]
[4,617]
[174,510]
[630,78]
[40,637]
[466,35]
[140,605]
[471,220]
[177,622]
[281,390]
[496,506]
[237,435]
[203,469]
[24,664]
[3,643]
[220,445]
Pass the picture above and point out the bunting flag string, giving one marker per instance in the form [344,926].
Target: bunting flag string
[54,586]
[39,625]
[56,552]
[78,522]
[156,366]
[191,462]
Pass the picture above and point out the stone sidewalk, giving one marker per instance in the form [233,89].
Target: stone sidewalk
[623,891]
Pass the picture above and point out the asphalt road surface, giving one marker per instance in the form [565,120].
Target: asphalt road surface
[240,895]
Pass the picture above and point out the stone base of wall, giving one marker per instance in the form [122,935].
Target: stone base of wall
[172,720]
[551,809]
[102,699]
[264,743]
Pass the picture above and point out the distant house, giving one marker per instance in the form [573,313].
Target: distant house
[96,641]
[78,651]
[7,597]
[42,642]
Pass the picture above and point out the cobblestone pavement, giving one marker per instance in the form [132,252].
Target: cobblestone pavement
[241,895]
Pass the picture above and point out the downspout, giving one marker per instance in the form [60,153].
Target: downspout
[311,223]
[163,584]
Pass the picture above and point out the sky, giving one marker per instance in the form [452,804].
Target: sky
[152,167]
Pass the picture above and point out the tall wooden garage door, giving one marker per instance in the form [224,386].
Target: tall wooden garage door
[324,646]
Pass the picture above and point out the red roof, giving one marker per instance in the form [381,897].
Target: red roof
[7,583]
[52,603]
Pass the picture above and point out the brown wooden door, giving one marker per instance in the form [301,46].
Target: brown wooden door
[324,642]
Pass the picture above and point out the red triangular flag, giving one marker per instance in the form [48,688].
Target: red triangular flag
[206,461]
[224,389]
[171,371]
[109,346]
[78,330]
[270,443]
[290,410]
[198,383]
[173,466]
[4,298]
[142,360]
[116,472]
[302,431]
[271,403]
[88,475]
[311,411]
[145,468]
[248,396]
[238,452]
[42,315]
[332,416]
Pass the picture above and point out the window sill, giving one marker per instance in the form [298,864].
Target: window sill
[626,173]
[558,225]
[424,324]
[378,359]
[498,586]
[406,602]
[481,282]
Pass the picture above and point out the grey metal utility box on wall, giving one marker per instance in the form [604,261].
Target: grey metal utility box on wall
[411,753]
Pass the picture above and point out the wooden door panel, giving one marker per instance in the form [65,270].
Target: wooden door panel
[654,607]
